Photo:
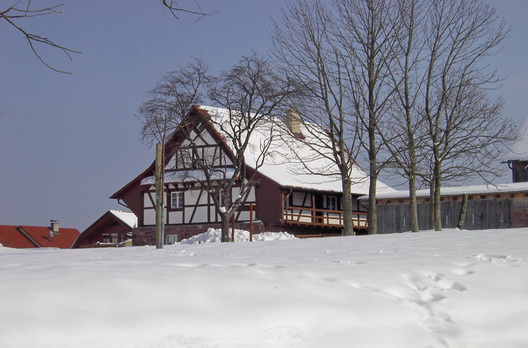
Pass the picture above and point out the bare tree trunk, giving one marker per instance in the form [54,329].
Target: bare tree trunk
[413,203]
[159,196]
[348,224]
[373,211]
[226,227]
[437,213]
[431,207]
[463,211]
[373,150]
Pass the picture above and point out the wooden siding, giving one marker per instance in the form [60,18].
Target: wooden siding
[268,206]
[483,212]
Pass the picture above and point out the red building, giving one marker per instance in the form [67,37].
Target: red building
[111,229]
[38,236]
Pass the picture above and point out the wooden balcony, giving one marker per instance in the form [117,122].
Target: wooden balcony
[312,217]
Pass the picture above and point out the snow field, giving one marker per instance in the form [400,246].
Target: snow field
[427,289]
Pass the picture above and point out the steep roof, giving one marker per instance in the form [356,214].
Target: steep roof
[37,237]
[318,173]
[519,151]
[127,217]
[11,237]
[280,165]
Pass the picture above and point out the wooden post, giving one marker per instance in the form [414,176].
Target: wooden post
[159,196]
[314,218]
[251,222]
[233,227]
[283,216]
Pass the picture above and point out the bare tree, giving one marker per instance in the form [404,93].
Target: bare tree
[306,47]
[250,93]
[464,129]
[246,97]
[170,100]
[366,34]
[400,131]
[175,9]
[18,12]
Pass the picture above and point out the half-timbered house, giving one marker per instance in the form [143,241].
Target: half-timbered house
[287,196]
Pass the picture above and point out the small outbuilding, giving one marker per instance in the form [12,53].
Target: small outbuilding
[488,206]
[112,229]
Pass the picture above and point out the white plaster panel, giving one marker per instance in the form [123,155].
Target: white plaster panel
[211,155]
[244,216]
[298,198]
[203,198]
[208,138]
[200,215]
[188,214]
[251,195]
[149,217]
[191,197]
[146,200]
[175,217]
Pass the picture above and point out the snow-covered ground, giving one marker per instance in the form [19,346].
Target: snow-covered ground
[428,289]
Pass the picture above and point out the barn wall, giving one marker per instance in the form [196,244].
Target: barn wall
[483,212]
[134,201]
[88,239]
[519,210]
[268,202]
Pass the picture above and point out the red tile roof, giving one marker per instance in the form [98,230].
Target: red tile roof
[11,237]
[37,236]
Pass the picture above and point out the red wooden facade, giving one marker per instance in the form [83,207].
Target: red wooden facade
[111,229]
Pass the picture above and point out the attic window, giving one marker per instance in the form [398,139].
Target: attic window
[200,127]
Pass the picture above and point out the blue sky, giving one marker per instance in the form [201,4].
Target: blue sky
[67,142]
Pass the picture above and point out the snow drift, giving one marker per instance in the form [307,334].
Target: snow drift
[428,289]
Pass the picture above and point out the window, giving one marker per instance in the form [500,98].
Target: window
[176,200]
[110,238]
[171,239]
[331,202]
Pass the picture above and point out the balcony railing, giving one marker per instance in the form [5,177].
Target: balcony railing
[321,217]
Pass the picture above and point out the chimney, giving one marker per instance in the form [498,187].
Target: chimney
[293,121]
[54,226]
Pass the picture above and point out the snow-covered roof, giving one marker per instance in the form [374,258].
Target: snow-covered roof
[127,217]
[283,167]
[519,149]
[459,190]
